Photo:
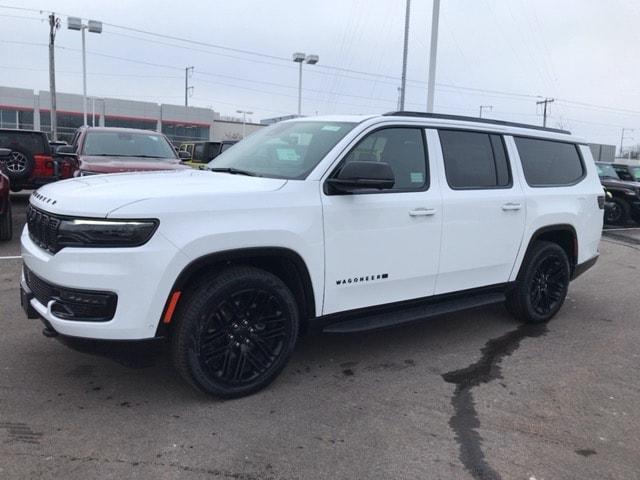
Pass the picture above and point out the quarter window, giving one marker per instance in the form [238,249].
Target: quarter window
[549,163]
[474,160]
[403,149]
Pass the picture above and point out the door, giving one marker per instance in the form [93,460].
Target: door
[483,211]
[383,246]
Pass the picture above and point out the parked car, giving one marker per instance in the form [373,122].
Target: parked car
[5,201]
[627,172]
[204,152]
[54,144]
[113,150]
[626,195]
[31,163]
[342,223]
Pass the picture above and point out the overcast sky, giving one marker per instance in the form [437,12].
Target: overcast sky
[504,53]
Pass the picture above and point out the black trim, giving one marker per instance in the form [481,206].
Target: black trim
[561,227]
[326,188]
[509,186]
[551,185]
[462,118]
[584,266]
[227,256]
[406,311]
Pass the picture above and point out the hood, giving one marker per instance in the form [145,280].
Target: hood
[96,196]
[104,164]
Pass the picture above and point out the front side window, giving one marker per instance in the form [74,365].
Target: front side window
[474,160]
[127,144]
[607,171]
[403,149]
[285,150]
[549,163]
[624,174]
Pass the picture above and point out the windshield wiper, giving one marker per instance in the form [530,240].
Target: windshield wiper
[234,171]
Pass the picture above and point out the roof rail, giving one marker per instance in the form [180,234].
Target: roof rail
[462,118]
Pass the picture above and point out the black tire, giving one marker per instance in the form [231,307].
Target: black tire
[241,319]
[6,224]
[618,213]
[19,165]
[542,284]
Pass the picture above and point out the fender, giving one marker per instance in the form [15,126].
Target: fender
[547,233]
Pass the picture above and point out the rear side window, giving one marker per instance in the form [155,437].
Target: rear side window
[549,163]
[474,160]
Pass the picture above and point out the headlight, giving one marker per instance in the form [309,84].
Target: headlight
[105,233]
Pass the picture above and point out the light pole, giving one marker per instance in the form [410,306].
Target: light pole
[403,78]
[75,23]
[433,52]
[244,118]
[301,58]
[485,107]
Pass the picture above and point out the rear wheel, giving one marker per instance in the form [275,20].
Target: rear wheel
[6,225]
[235,332]
[542,284]
[19,165]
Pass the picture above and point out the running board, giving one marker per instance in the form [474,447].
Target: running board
[374,321]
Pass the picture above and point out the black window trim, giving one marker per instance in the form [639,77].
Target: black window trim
[501,135]
[576,145]
[328,191]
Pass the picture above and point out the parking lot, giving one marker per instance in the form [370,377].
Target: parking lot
[470,395]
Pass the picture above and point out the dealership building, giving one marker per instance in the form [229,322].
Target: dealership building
[25,109]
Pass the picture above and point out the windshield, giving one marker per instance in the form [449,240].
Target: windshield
[128,144]
[285,150]
[606,171]
[635,171]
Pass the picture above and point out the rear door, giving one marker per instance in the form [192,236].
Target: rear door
[483,211]
[383,246]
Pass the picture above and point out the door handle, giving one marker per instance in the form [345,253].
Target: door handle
[511,206]
[422,212]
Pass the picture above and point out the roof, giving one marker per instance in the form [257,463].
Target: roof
[118,129]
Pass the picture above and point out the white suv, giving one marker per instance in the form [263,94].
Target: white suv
[341,223]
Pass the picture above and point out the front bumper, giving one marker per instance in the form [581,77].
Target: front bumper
[140,277]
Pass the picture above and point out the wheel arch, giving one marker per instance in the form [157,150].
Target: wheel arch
[285,263]
[563,234]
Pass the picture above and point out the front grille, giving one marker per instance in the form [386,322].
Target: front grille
[43,228]
[72,304]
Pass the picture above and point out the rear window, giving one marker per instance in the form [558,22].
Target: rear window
[474,160]
[32,142]
[549,163]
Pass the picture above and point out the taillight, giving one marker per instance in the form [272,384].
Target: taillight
[601,202]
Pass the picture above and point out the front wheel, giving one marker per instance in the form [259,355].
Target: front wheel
[542,284]
[618,213]
[235,332]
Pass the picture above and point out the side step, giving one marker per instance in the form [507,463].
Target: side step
[402,315]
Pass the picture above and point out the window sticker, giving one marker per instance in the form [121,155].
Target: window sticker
[331,128]
[417,177]
[286,154]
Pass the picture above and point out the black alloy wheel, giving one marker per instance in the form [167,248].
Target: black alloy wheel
[235,332]
[549,284]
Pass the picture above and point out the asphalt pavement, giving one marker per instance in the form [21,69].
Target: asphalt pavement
[473,395]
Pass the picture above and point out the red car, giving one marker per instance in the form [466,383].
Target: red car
[112,150]
[5,203]
[31,163]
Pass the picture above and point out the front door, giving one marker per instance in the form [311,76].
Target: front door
[383,246]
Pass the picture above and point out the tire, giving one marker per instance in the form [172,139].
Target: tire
[6,225]
[235,332]
[619,213]
[19,165]
[542,284]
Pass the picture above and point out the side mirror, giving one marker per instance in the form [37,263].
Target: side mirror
[5,153]
[184,155]
[360,175]
[66,151]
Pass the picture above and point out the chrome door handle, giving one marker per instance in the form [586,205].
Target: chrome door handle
[511,206]
[422,212]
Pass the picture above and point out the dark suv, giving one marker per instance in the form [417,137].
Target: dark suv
[625,204]
[31,163]
[627,172]
[204,152]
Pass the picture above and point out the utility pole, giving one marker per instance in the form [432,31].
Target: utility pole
[623,136]
[545,102]
[187,89]
[403,81]
[433,53]
[485,107]
[54,25]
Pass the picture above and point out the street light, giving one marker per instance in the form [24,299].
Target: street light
[301,58]
[244,118]
[75,23]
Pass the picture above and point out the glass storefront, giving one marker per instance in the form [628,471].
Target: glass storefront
[13,118]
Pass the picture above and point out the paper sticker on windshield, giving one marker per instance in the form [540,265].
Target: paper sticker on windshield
[331,128]
[417,177]
[286,154]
